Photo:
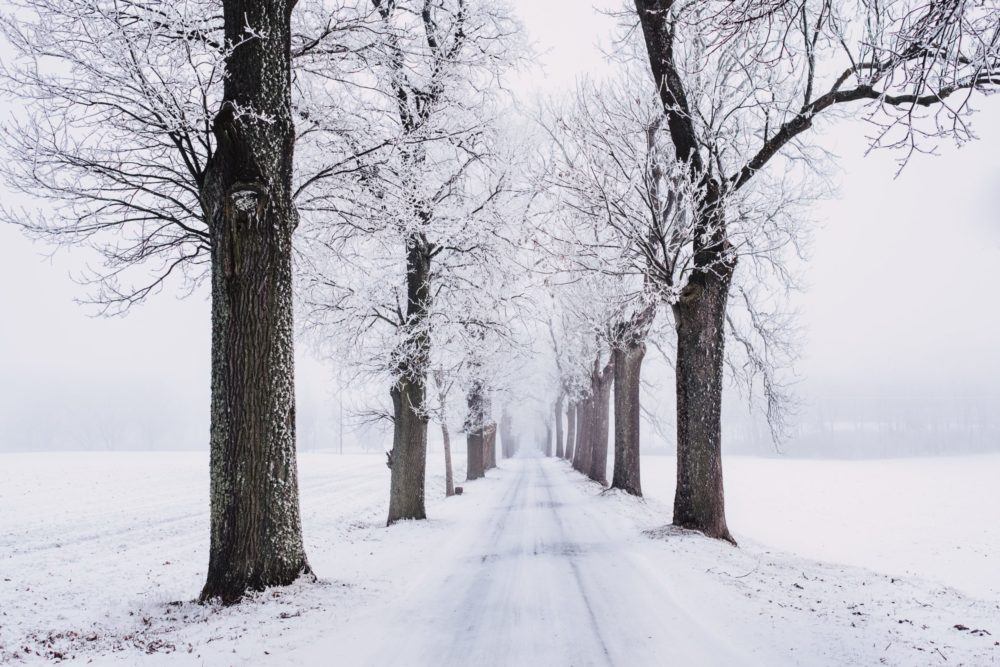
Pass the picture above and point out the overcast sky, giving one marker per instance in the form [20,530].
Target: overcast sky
[901,298]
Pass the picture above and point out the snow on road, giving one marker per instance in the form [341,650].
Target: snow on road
[100,555]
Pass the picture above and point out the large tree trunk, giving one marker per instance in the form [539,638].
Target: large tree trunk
[408,458]
[409,439]
[598,469]
[628,374]
[570,430]
[700,319]
[559,425]
[256,532]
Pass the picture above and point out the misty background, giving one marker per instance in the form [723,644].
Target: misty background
[899,317]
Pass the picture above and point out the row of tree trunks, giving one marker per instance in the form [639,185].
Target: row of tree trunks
[590,454]
[256,533]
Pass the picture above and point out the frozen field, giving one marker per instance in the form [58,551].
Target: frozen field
[866,562]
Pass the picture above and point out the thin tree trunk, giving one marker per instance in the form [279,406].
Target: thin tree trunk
[584,430]
[256,530]
[449,478]
[699,502]
[628,370]
[490,446]
[570,430]
[598,469]
[548,439]
[409,442]
[559,425]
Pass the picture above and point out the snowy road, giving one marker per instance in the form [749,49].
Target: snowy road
[101,555]
[541,577]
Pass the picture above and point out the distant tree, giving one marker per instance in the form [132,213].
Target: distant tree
[420,214]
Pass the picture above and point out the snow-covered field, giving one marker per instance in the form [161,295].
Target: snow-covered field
[860,563]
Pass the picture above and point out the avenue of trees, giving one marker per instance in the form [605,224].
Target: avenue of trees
[357,172]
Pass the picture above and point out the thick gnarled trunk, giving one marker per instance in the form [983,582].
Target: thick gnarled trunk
[700,317]
[409,452]
[628,374]
[256,534]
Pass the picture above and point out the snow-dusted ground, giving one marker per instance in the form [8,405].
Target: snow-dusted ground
[100,555]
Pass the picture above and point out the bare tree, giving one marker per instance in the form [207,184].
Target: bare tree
[742,83]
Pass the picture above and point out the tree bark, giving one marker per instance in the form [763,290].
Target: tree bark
[628,369]
[449,478]
[584,428]
[570,430]
[475,434]
[559,425]
[256,530]
[598,469]
[475,468]
[490,446]
[409,438]
[700,314]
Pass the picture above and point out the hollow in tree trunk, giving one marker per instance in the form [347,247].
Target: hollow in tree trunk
[628,370]
[256,532]
[700,317]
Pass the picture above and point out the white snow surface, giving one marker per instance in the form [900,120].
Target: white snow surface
[102,553]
